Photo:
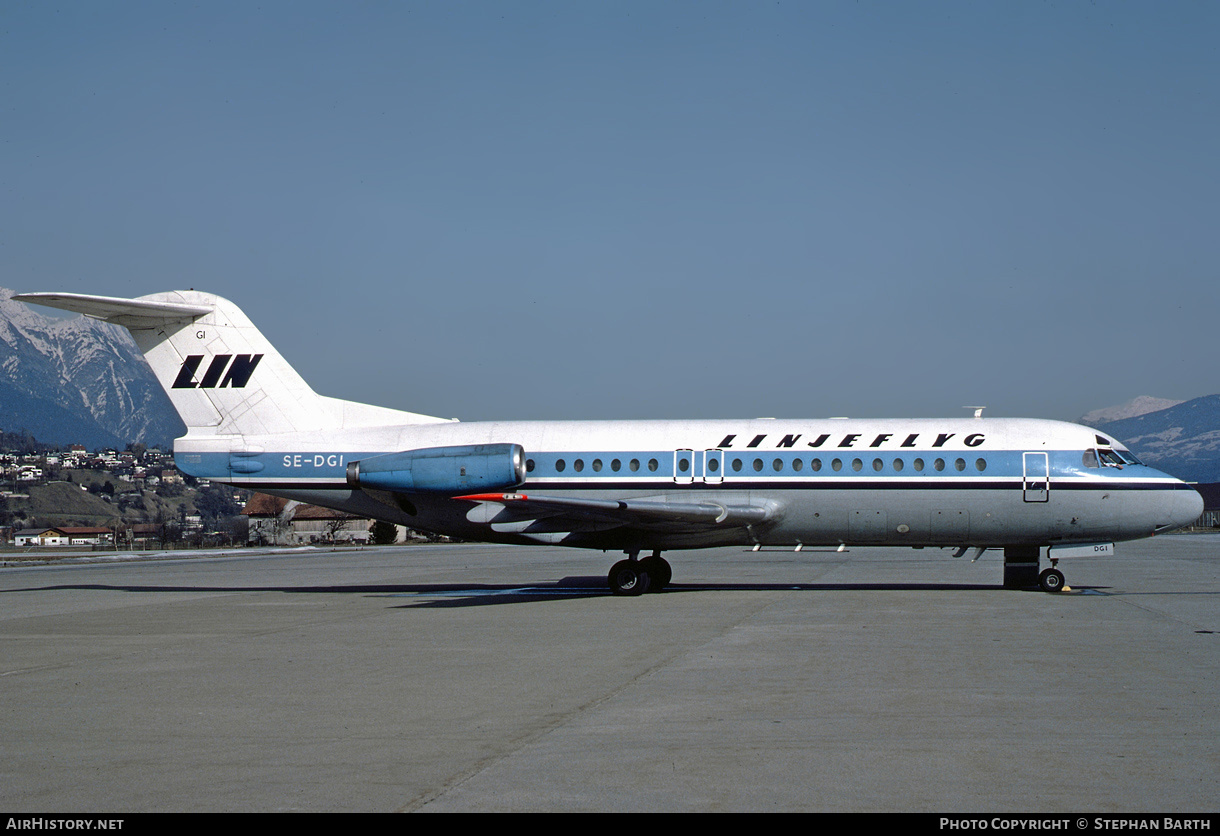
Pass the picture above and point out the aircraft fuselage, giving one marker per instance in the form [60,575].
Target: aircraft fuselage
[915,482]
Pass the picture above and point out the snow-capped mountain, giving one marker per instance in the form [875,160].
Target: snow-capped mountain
[1183,439]
[1131,409]
[78,380]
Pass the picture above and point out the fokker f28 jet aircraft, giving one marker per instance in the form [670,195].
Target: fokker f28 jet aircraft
[641,486]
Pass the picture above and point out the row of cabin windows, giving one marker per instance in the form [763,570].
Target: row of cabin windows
[857,465]
[778,465]
[579,465]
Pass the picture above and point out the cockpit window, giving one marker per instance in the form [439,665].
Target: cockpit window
[1107,457]
[1125,456]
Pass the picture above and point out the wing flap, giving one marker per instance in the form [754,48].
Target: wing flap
[519,510]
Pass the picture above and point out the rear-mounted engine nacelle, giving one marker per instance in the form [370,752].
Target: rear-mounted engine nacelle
[442,469]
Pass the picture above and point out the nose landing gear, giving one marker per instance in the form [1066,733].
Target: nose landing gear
[1051,580]
[1021,569]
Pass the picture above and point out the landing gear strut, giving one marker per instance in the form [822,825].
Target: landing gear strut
[635,577]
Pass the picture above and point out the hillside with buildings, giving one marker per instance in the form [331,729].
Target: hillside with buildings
[137,495]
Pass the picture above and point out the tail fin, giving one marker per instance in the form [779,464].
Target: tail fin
[220,372]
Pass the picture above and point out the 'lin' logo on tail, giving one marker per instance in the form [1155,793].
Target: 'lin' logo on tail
[237,376]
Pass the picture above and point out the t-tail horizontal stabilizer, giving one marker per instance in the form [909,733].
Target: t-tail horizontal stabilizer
[132,314]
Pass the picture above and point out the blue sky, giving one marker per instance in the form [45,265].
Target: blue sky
[621,210]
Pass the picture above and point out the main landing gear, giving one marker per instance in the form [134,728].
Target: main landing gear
[635,577]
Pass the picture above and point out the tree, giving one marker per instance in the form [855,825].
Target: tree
[333,527]
[384,533]
[216,502]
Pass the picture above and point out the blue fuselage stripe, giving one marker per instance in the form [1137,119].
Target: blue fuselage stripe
[685,469]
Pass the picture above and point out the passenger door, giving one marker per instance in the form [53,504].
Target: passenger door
[1036,479]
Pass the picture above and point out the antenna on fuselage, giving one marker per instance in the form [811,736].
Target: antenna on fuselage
[978,410]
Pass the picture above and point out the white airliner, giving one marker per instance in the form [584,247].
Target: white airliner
[641,486]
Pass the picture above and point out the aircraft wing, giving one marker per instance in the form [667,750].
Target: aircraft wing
[549,517]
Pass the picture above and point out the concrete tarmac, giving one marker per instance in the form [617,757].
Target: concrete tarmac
[458,678]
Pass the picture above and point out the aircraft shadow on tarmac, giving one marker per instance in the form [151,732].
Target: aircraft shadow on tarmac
[440,595]
[437,596]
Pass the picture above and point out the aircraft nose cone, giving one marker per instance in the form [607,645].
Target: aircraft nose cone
[1185,507]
